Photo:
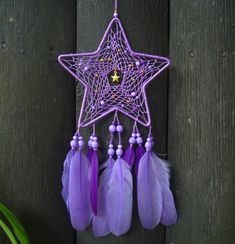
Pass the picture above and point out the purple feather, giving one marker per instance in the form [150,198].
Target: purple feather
[129,155]
[139,152]
[79,192]
[149,192]
[100,224]
[89,153]
[169,214]
[94,181]
[119,198]
[65,177]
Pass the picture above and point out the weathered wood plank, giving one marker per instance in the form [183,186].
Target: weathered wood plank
[146,24]
[202,120]
[37,114]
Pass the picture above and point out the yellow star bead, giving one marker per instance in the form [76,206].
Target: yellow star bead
[115,77]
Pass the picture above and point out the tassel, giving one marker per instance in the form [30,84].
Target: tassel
[129,155]
[119,195]
[139,152]
[90,149]
[94,176]
[100,225]
[79,192]
[65,177]
[155,200]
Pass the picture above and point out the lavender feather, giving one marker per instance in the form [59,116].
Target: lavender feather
[169,214]
[100,224]
[119,198]
[79,192]
[65,177]
[94,181]
[139,152]
[129,155]
[149,192]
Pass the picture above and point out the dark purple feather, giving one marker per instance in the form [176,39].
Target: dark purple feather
[139,152]
[129,155]
[79,192]
[89,153]
[65,177]
[94,181]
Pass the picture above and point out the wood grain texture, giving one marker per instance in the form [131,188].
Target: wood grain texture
[202,120]
[37,114]
[146,25]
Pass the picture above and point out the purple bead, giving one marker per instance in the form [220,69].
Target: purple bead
[80,144]
[133,94]
[115,15]
[110,145]
[102,103]
[90,143]
[120,128]
[148,145]
[119,152]
[138,134]
[73,143]
[120,146]
[139,140]
[132,140]
[111,151]
[95,144]
[133,135]
[137,63]
[95,138]
[112,128]
[75,138]
[149,139]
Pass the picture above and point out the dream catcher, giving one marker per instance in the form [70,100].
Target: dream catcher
[114,78]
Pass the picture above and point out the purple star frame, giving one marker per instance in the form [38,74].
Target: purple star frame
[114,77]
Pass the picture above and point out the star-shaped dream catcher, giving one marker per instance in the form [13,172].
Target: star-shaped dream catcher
[114,78]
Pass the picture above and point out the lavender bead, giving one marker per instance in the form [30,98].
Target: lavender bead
[120,128]
[139,140]
[148,145]
[119,152]
[95,138]
[112,128]
[73,143]
[138,134]
[133,94]
[120,146]
[132,140]
[95,144]
[137,63]
[80,144]
[75,138]
[110,145]
[115,15]
[133,135]
[90,143]
[102,103]
[111,151]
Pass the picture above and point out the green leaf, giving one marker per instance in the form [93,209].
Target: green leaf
[8,232]
[16,225]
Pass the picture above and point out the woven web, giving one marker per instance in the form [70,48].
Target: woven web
[94,71]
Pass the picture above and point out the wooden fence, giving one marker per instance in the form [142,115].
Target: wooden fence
[192,106]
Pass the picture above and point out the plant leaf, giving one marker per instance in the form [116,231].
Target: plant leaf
[16,225]
[8,232]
